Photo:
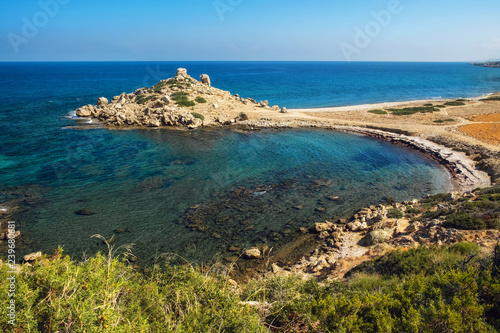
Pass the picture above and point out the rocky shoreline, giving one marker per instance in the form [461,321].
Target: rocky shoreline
[461,169]
[373,231]
[184,102]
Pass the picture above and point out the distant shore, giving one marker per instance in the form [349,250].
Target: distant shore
[382,105]
[489,64]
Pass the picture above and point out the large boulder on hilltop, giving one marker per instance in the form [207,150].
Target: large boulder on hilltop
[102,102]
[205,79]
[181,72]
[85,111]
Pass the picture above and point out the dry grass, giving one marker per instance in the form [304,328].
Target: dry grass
[488,132]
[487,118]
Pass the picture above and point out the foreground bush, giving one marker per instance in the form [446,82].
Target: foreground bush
[439,289]
[107,295]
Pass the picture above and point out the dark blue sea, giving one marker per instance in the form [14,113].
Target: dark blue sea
[195,193]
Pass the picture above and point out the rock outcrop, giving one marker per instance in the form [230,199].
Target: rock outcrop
[205,79]
[179,101]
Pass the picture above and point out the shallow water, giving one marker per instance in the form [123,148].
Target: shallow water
[245,188]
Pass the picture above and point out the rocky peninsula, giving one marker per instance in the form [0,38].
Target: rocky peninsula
[181,101]
[184,102]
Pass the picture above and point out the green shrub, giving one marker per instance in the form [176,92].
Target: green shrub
[198,115]
[435,214]
[464,221]
[417,261]
[413,110]
[159,86]
[185,102]
[176,96]
[395,213]
[142,99]
[200,100]
[449,119]
[289,298]
[464,248]
[398,263]
[454,103]
[439,121]
[446,302]
[437,198]
[107,295]
[378,111]
[492,98]
[440,106]
[181,99]
[429,104]
[412,211]
[490,190]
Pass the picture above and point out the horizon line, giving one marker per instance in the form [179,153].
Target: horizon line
[344,61]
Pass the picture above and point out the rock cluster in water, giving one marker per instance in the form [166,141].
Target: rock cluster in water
[179,101]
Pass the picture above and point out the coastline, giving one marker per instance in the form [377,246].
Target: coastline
[463,174]
[465,177]
[184,102]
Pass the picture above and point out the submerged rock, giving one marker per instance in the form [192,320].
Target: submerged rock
[252,254]
[85,212]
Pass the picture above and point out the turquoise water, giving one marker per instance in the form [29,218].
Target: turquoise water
[149,185]
[246,186]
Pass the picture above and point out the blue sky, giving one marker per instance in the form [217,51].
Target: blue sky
[323,30]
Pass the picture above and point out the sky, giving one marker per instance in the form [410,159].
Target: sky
[255,30]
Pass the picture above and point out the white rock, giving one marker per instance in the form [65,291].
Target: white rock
[32,256]
[252,254]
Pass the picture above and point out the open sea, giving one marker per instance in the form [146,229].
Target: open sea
[195,193]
